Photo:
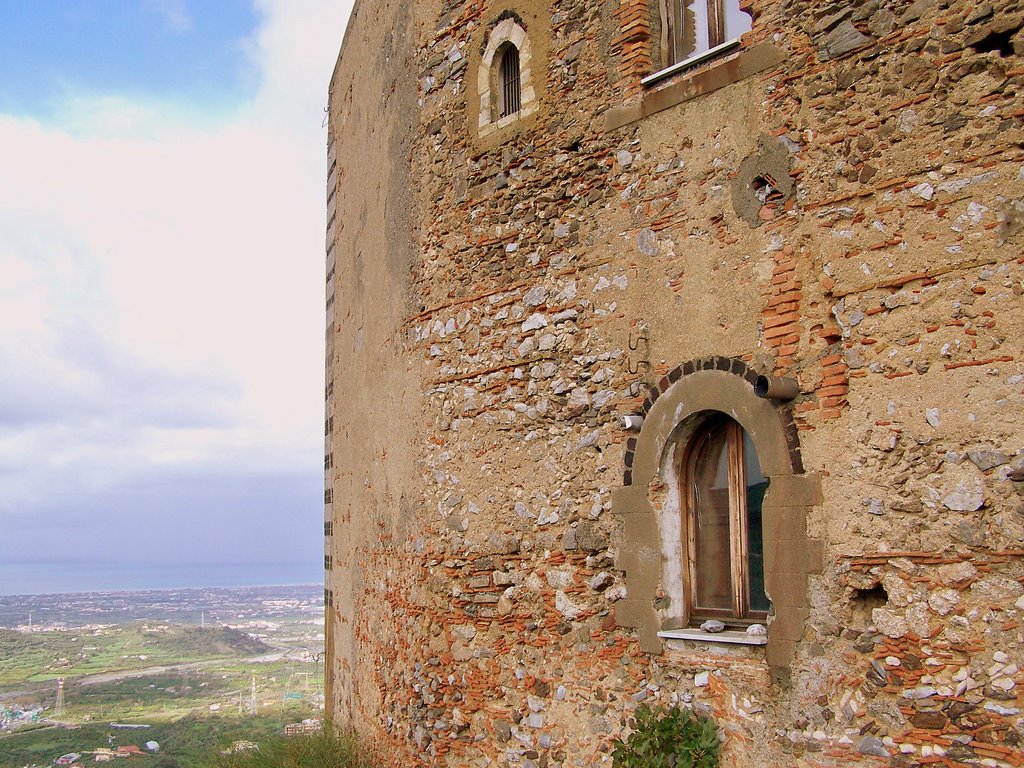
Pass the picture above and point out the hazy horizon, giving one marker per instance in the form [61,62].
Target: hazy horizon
[162,219]
[49,578]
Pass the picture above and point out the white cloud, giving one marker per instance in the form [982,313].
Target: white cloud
[162,279]
[172,12]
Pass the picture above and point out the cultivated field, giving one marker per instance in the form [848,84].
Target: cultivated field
[194,688]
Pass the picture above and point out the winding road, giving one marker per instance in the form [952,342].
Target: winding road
[128,674]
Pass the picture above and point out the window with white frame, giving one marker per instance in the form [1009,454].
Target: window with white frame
[504,79]
[692,30]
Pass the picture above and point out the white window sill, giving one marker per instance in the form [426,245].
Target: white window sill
[729,636]
[693,61]
[490,126]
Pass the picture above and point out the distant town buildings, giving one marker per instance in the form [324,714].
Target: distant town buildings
[290,618]
[15,717]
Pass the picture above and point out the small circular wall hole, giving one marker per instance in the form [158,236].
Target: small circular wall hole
[766,189]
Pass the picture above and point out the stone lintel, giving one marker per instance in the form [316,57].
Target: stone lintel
[709,80]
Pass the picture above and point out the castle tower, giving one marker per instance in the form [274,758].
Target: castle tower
[675,354]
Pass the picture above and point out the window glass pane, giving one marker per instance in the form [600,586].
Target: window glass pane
[697,24]
[757,485]
[736,21]
[712,566]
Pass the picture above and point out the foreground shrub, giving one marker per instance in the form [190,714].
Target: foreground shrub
[674,739]
[327,749]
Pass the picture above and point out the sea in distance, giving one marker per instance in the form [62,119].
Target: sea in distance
[29,578]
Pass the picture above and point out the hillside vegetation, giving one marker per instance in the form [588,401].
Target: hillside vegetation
[189,742]
[42,656]
[326,749]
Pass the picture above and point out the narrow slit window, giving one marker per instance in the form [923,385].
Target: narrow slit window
[504,80]
[511,92]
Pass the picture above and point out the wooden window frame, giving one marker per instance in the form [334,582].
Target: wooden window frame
[674,28]
[741,613]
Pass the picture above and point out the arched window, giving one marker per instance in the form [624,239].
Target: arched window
[722,490]
[510,93]
[504,80]
[714,506]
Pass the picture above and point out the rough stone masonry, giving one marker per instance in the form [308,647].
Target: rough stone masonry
[837,199]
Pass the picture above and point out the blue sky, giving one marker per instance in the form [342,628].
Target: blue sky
[194,53]
[162,291]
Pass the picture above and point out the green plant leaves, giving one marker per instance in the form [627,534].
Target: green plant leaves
[675,738]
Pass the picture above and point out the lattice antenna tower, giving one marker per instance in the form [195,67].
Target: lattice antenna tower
[58,709]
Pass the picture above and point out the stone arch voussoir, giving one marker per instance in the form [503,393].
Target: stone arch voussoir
[726,385]
[509,29]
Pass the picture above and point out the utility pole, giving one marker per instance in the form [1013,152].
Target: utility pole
[252,700]
[58,709]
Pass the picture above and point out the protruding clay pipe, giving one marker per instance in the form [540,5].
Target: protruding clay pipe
[776,387]
[631,422]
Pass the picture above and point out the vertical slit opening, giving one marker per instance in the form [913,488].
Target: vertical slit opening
[510,81]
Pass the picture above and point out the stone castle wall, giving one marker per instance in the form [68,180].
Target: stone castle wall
[499,546]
